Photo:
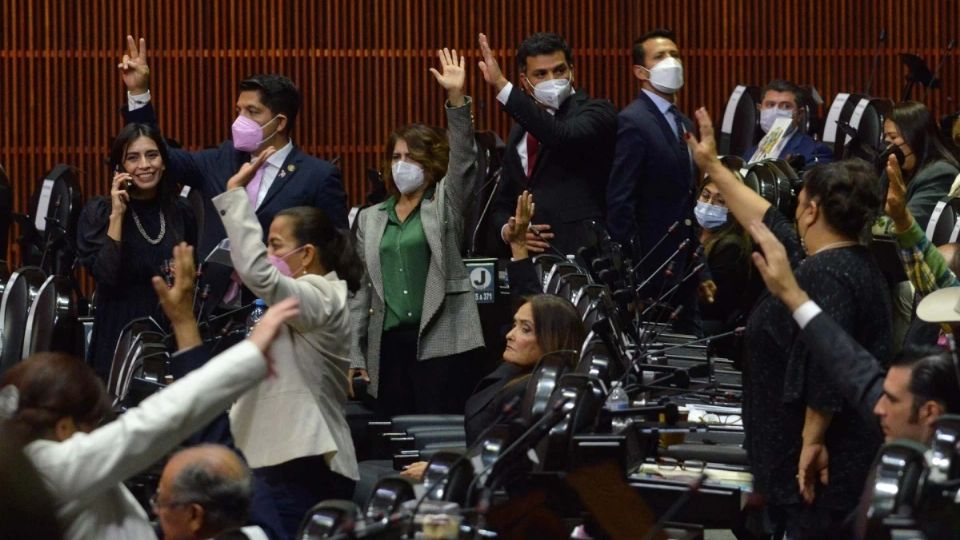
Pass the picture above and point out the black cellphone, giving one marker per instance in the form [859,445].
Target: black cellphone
[128,185]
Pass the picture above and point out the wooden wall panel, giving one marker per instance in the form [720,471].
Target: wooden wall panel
[362,64]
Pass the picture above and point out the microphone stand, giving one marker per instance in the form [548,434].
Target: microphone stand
[936,72]
[675,507]
[483,215]
[655,246]
[683,245]
[876,62]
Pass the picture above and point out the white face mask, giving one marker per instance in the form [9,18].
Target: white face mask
[667,75]
[769,115]
[408,177]
[553,92]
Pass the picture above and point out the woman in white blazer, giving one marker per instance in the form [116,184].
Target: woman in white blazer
[415,318]
[54,403]
[292,428]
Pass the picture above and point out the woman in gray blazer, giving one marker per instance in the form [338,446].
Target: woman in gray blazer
[415,317]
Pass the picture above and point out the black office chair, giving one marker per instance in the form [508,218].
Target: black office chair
[740,125]
[18,296]
[52,323]
[329,518]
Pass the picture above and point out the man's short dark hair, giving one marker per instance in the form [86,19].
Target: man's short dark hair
[278,93]
[933,377]
[542,43]
[225,500]
[783,85]
[638,52]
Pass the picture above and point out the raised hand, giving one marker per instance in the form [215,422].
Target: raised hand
[704,150]
[177,301]
[249,170]
[518,226]
[453,76]
[896,203]
[269,326]
[489,66]
[134,68]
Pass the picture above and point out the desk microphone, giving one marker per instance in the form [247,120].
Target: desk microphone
[662,239]
[683,245]
[696,270]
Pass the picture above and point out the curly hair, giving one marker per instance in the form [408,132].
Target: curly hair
[427,145]
[848,193]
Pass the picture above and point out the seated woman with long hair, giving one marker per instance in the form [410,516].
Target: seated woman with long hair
[543,323]
[928,167]
[54,403]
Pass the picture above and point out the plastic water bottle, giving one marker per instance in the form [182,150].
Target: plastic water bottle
[259,308]
[616,401]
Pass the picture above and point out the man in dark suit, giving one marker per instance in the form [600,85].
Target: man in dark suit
[267,108]
[561,147]
[782,99]
[652,183]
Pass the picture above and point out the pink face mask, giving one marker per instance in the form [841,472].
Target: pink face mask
[280,263]
[248,134]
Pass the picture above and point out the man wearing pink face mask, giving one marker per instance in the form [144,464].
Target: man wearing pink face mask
[267,108]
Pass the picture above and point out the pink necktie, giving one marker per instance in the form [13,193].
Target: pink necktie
[253,188]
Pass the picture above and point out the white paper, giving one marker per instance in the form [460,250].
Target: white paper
[773,142]
[43,205]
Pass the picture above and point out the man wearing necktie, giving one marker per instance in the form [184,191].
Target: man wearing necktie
[267,107]
[653,182]
[560,148]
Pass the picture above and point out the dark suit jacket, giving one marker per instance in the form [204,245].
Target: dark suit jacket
[651,187]
[651,184]
[856,373]
[572,164]
[801,144]
[305,181]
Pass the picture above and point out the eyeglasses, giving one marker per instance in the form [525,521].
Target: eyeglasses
[155,503]
[689,465]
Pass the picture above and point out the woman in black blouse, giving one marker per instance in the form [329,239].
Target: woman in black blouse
[125,239]
[798,428]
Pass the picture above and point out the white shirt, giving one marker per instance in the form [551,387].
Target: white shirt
[84,473]
[502,97]
[270,170]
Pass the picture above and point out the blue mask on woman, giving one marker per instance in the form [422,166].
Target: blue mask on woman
[710,216]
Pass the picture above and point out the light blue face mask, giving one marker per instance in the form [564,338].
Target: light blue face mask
[710,216]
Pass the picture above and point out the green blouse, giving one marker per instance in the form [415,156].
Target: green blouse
[404,262]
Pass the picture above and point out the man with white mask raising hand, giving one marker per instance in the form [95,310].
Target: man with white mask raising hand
[652,183]
[561,147]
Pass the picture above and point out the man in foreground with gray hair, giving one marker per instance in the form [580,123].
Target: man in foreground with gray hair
[204,491]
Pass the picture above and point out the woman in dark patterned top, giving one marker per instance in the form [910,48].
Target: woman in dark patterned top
[793,415]
[124,239]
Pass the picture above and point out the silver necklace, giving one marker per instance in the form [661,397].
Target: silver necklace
[143,232]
